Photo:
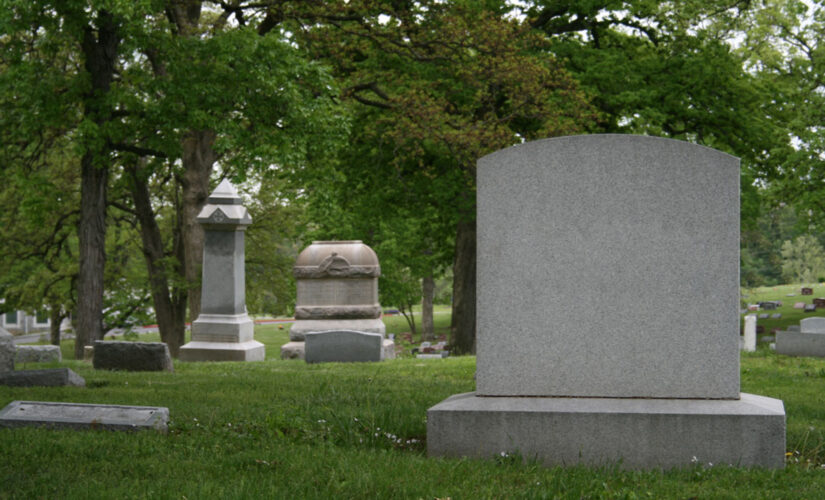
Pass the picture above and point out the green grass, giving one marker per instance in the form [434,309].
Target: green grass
[285,429]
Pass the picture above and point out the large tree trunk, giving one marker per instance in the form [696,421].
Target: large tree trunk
[463,327]
[427,294]
[99,44]
[198,158]
[170,319]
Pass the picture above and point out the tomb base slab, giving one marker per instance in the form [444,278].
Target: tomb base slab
[251,350]
[800,344]
[631,433]
[303,326]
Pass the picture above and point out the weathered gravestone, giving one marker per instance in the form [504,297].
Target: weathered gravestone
[749,338]
[807,340]
[818,302]
[799,305]
[344,346]
[84,416]
[651,377]
[8,351]
[38,354]
[809,308]
[132,356]
[223,331]
[42,378]
[807,291]
[337,291]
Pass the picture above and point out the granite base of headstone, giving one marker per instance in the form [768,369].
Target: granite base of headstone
[42,378]
[651,226]
[38,354]
[132,356]
[806,340]
[80,416]
[223,331]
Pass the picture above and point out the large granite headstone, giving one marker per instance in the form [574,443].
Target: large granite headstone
[649,229]
[337,290]
[38,354]
[223,331]
[808,339]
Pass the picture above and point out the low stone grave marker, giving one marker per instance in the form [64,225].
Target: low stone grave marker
[776,316]
[819,302]
[344,346]
[768,306]
[38,354]
[84,416]
[764,316]
[810,308]
[799,305]
[807,291]
[7,351]
[132,356]
[42,378]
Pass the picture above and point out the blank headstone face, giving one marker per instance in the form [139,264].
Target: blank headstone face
[812,325]
[646,228]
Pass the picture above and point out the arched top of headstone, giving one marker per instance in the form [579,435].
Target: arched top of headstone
[337,259]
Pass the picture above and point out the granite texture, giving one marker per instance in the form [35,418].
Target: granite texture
[196,350]
[812,325]
[343,346]
[792,343]
[630,433]
[749,337]
[301,327]
[132,356]
[8,351]
[38,354]
[42,378]
[292,350]
[608,266]
[84,416]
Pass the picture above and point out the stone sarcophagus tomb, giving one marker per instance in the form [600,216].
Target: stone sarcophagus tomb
[337,290]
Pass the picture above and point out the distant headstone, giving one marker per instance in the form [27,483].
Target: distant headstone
[764,316]
[768,306]
[630,223]
[42,378]
[812,325]
[223,331]
[343,346]
[809,308]
[819,302]
[807,291]
[794,328]
[132,356]
[776,316]
[337,290]
[749,338]
[83,416]
[799,305]
[8,351]
[790,295]
[753,307]
[38,354]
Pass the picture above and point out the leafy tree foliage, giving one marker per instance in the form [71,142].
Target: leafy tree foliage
[803,260]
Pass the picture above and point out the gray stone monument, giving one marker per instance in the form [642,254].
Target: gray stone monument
[749,337]
[84,416]
[8,351]
[650,379]
[38,354]
[337,285]
[224,330]
[806,340]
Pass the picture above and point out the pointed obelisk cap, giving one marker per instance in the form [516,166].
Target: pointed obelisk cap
[223,210]
[225,194]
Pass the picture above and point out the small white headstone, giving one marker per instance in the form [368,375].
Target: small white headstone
[750,333]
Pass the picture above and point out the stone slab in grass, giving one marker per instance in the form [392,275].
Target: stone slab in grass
[38,354]
[84,416]
[42,378]
[132,356]
[346,346]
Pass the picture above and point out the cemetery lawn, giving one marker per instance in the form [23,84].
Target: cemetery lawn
[285,429]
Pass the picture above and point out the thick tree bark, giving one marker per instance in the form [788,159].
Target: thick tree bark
[55,318]
[99,45]
[427,294]
[198,159]
[463,327]
[170,314]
